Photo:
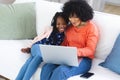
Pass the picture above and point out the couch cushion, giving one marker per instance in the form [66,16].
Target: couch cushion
[112,62]
[100,73]
[11,58]
[17,21]
[45,11]
[109,26]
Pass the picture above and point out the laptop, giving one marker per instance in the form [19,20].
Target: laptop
[59,55]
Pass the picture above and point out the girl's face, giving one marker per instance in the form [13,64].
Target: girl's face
[61,24]
[75,21]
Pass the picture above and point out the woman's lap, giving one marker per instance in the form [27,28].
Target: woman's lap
[67,71]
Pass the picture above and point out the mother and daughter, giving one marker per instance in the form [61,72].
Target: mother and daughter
[80,33]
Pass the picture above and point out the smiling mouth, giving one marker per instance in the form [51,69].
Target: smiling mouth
[73,23]
[61,29]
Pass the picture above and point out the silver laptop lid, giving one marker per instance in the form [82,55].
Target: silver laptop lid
[59,54]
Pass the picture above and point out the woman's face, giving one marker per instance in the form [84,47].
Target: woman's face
[61,24]
[75,21]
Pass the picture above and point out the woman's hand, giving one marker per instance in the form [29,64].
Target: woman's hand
[25,50]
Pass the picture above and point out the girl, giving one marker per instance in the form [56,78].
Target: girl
[52,36]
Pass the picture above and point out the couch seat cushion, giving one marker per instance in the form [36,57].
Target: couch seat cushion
[11,58]
[100,73]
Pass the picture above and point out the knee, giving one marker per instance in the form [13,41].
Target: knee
[35,46]
[37,56]
[49,66]
[85,65]
[60,69]
[35,50]
[59,73]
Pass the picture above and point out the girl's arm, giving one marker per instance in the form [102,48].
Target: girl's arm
[46,34]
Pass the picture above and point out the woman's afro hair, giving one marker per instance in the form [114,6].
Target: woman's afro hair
[79,7]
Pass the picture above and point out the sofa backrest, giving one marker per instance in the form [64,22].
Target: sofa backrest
[45,11]
[109,26]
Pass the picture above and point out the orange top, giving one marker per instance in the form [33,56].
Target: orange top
[85,38]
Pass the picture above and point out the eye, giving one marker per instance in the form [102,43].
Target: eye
[58,23]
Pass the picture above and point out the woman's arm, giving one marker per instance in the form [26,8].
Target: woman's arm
[91,43]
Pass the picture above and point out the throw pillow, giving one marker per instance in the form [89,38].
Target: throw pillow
[17,21]
[112,61]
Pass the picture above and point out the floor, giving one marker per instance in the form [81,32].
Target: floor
[3,78]
[113,9]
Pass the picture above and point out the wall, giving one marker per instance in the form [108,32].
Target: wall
[22,1]
[61,1]
[117,2]
[97,5]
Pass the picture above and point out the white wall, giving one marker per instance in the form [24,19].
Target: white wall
[61,1]
[97,5]
[113,1]
[22,1]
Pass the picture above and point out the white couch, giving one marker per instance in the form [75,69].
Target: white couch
[11,58]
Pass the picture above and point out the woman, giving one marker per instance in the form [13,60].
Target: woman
[82,34]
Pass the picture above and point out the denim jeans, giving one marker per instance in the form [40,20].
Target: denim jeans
[31,65]
[63,72]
